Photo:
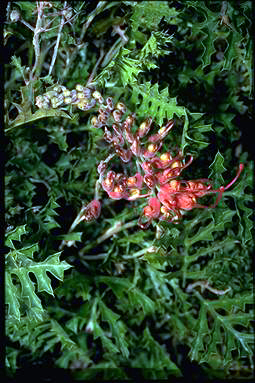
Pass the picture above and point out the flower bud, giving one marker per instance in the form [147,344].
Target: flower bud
[15,15]
[121,107]
[150,180]
[79,87]
[109,103]
[108,185]
[151,150]
[162,132]
[144,127]
[135,147]
[92,211]
[135,181]
[153,209]
[117,115]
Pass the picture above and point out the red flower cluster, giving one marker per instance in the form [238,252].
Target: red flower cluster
[157,173]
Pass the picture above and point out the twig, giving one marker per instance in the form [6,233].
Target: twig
[151,249]
[109,233]
[94,257]
[90,79]
[100,6]
[205,285]
[37,31]
[27,25]
[57,42]
[115,229]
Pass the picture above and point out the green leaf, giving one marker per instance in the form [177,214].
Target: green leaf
[194,132]
[159,283]
[217,168]
[22,267]
[107,343]
[117,327]
[156,358]
[16,61]
[205,233]
[15,235]
[214,344]
[12,297]
[148,15]
[58,136]
[138,299]
[148,101]
[71,236]
[25,118]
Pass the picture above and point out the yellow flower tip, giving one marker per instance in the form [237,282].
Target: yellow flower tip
[173,184]
[82,104]
[80,95]
[165,157]
[121,107]
[162,130]
[176,164]
[164,211]
[152,148]
[143,126]
[67,100]
[97,95]
[118,189]
[79,87]
[66,92]
[107,182]
[131,181]
[94,120]
[134,192]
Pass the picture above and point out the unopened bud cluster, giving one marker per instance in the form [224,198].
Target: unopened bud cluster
[154,175]
[84,98]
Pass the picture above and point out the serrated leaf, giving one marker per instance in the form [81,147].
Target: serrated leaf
[107,343]
[205,232]
[194,131]
[11,297]
[76,324]
[158,358]
[217,168]
[117,327]
[138,299]
[118,285]
[16,61]
[15,235]
[148,15]
[28,116]
[159,283]
[222,332]
[58,136]
[154,103]
[21,268]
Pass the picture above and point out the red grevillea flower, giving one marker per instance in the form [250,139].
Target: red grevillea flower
[176,197]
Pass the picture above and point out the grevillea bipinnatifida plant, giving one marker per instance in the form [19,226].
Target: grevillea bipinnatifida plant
[123,252]
[153,175]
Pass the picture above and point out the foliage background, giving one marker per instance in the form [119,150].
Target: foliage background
[121,302]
